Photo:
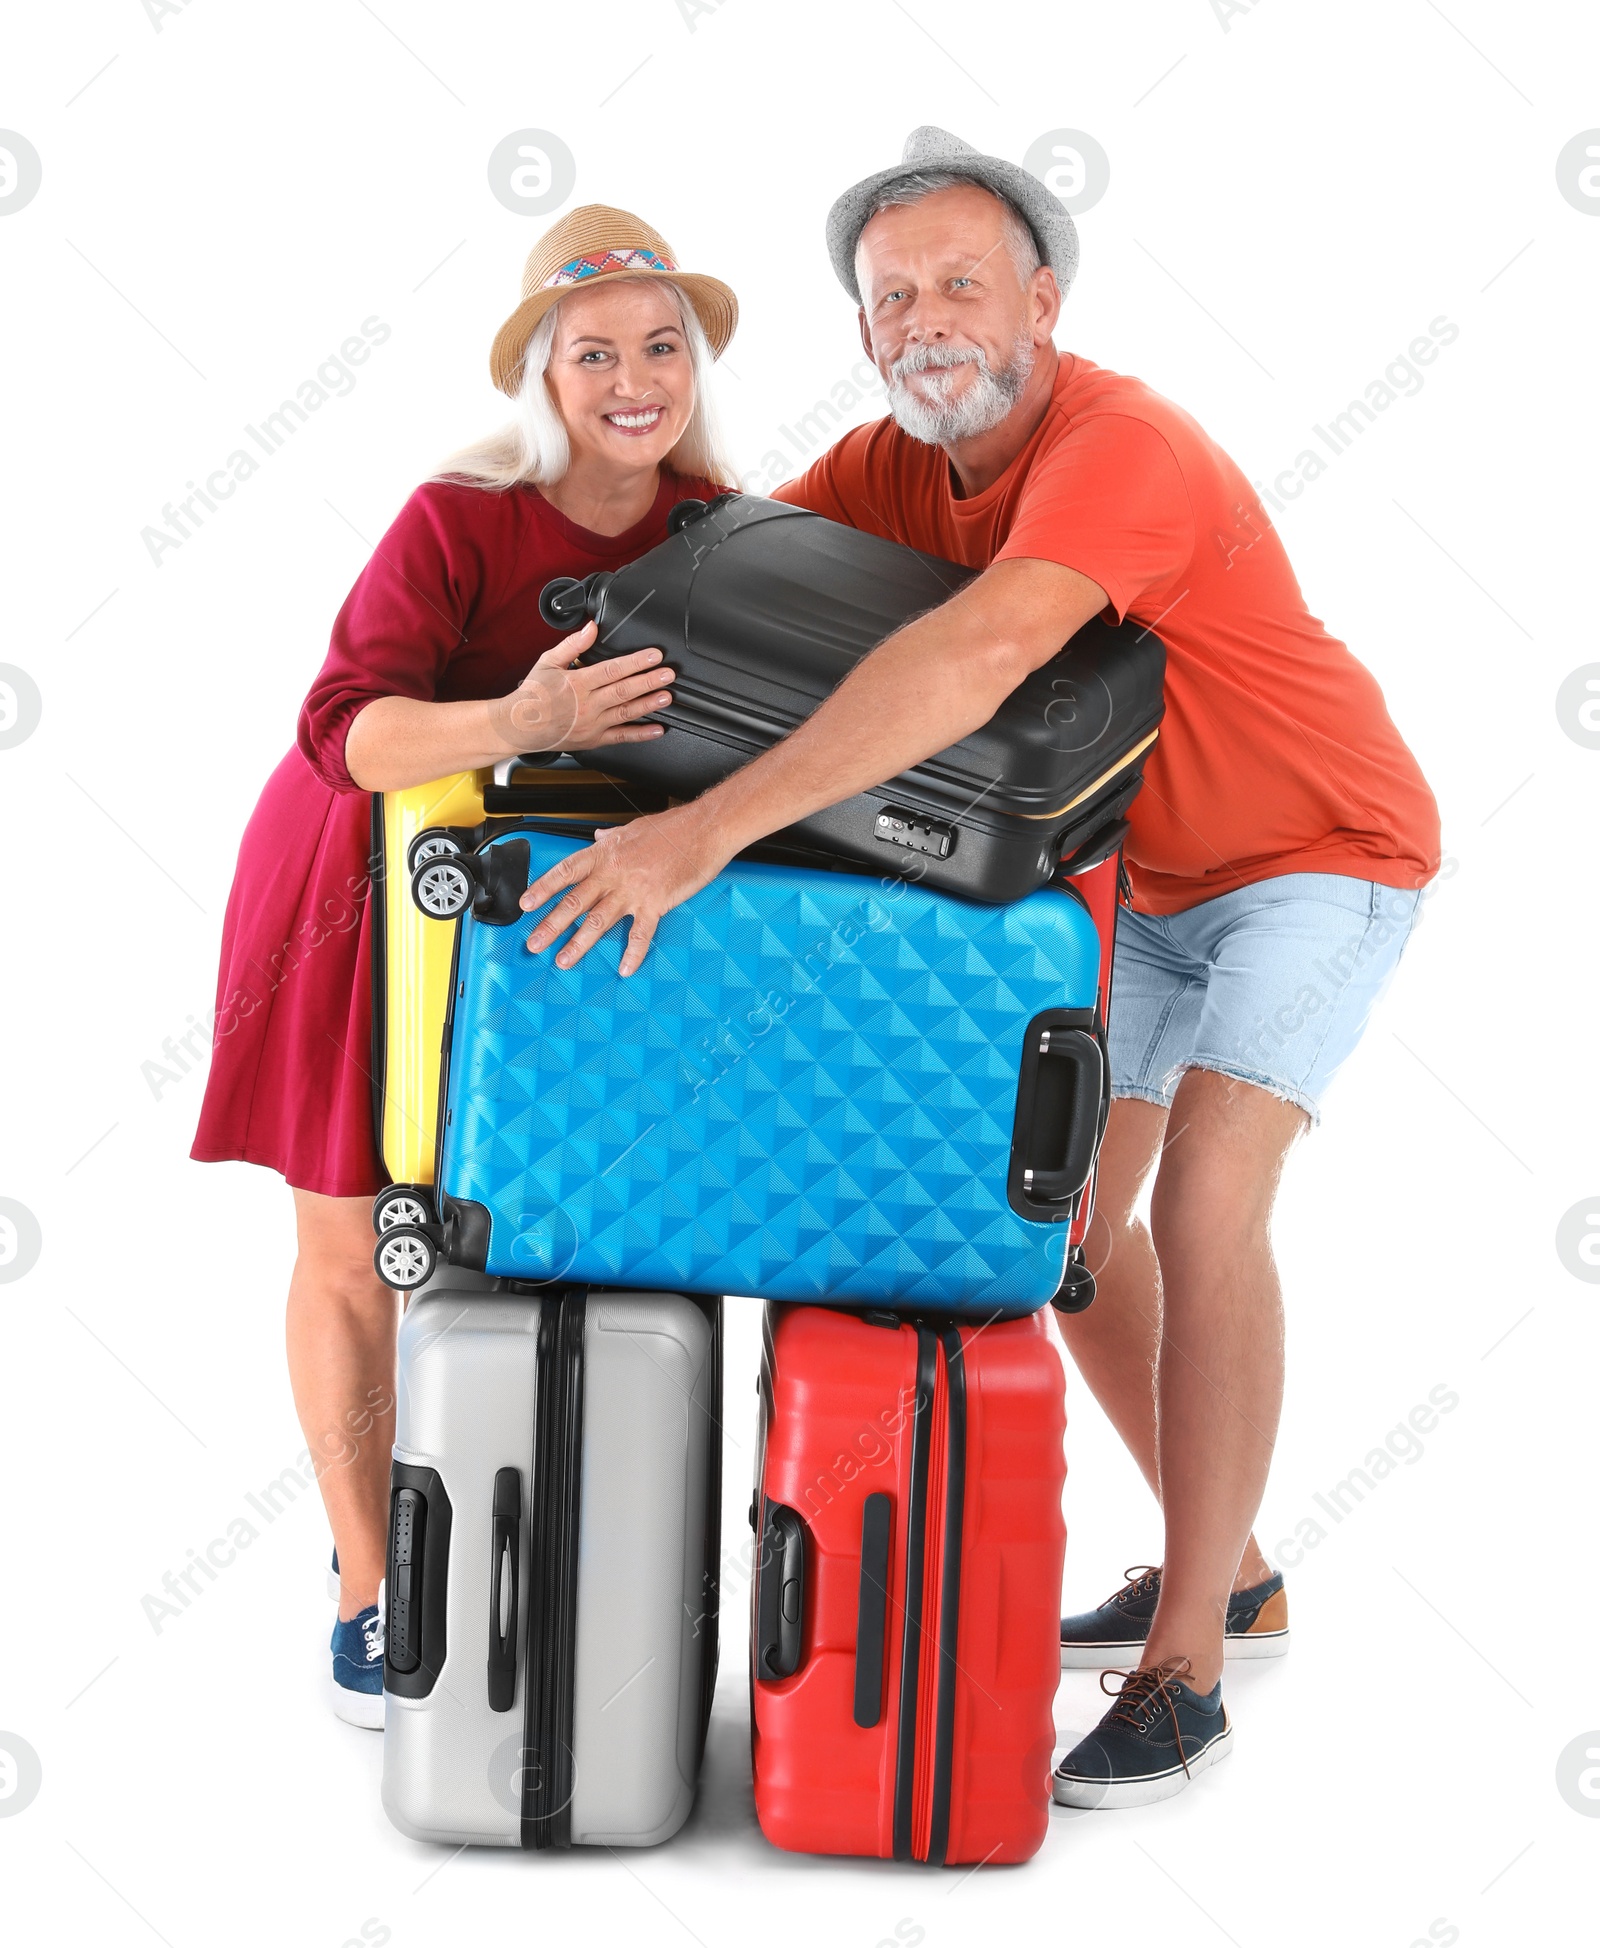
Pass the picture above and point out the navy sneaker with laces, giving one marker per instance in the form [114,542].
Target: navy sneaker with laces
[1096,1640]
[358,1667]
[1158,1735]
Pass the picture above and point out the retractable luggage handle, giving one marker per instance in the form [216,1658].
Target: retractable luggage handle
[526,760]
[505,1554]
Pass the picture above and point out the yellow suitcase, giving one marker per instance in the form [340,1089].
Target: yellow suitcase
[411,956]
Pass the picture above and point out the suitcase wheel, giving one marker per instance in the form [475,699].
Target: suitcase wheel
[442,887]
[564,602]
[1077,1286]
[682,514]
[435,843]
[401,1204]
[405,1257]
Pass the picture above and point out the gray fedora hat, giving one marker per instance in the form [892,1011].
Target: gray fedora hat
[931,150]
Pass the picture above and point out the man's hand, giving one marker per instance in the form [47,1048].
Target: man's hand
[643,869]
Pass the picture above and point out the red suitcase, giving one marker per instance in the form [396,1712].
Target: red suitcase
[905,1611]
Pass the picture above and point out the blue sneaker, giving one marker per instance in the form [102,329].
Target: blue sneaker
[358,1667]
[1114,1635]
[1160,1734]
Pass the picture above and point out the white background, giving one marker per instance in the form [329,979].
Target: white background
[1295,194]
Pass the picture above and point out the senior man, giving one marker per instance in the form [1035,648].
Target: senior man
[1276,856]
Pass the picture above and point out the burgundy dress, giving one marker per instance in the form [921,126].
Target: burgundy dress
[446,609]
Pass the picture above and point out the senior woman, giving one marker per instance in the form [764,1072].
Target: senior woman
[440,662]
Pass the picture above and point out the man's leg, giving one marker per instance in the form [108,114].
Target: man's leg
[1116,1344]
[1219,1383]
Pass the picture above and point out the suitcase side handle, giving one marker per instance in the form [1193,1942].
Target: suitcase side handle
[872,1608]
[505,1553]
[418,1578]
[1095,850]
[781,1597]
[1061,1092]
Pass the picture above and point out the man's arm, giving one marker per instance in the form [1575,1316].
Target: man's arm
[929,685]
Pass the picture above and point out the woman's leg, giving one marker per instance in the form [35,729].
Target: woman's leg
[341,1339]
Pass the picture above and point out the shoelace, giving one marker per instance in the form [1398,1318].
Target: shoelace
[1142,1580]
[1141,1695]
[372,1630]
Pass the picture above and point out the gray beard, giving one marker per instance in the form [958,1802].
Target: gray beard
[986,401]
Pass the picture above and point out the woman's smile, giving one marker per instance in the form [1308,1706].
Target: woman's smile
[634,420]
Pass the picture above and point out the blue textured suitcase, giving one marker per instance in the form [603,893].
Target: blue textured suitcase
[820,1086]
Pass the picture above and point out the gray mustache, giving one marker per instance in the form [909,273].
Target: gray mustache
[936,358]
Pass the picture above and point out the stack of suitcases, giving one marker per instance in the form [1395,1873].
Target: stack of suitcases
[861,1077]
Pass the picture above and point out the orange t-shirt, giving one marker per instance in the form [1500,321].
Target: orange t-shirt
[1277,754]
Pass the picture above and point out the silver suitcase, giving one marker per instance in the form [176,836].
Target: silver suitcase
[554,1534]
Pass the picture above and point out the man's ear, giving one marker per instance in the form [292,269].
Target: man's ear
[866,332]
[1046,302]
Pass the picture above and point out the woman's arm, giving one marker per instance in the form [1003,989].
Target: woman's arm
[370,721]
[394,742]
[397,741]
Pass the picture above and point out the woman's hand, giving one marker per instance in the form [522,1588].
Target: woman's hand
[558,708]
[643,869]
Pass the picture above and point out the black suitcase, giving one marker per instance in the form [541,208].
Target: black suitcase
[763,608]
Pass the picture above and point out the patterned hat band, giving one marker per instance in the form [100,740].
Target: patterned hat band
[584,248]
[612,260]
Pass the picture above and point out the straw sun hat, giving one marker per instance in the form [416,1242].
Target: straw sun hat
[590,243]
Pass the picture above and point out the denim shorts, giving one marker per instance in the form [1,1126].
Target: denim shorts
[1272,984]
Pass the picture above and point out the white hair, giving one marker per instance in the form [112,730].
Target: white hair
[534,449]
[940,421]
[1019,239]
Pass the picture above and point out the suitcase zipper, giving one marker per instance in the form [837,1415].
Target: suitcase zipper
[911,1631]
[552,1606]
[955,1498]
[929,1667]
[932,1591]
[709,1620]
[377,919]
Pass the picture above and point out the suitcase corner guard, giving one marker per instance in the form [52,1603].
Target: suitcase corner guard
[466,1232]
